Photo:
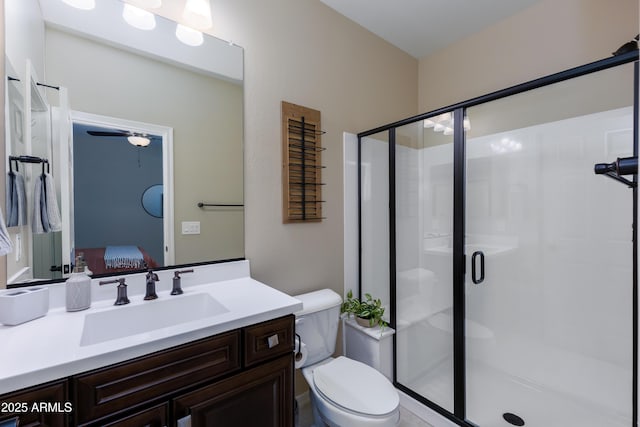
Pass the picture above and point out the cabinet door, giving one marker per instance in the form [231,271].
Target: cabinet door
[259,397]
[37,406]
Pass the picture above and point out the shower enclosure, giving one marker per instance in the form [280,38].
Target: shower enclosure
[508,265]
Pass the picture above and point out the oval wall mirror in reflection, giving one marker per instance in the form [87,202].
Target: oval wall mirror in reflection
[152,200]
[103,68]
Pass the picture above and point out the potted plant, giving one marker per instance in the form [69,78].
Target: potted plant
[368,313]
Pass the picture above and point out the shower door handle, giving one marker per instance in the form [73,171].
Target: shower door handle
[474,276]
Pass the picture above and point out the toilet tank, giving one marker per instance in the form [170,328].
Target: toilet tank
[371,346]
[317,323]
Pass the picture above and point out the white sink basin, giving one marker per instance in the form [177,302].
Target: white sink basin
[120,322]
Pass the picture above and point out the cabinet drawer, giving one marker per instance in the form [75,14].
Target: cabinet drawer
[117,388]
[19,405]
[268,339]
[156,416]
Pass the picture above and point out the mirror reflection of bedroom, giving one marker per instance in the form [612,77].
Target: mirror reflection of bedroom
[124,206]
[113,169]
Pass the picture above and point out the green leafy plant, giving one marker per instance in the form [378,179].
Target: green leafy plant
[369,309]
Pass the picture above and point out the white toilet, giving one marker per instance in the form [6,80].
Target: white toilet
[344,392]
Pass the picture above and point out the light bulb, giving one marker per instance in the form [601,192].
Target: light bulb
[81,4]
[443,118]
[147,4]
[428,123]
[466,124]
[138,18]
[198,14]
[139,141]
[189,36]
[438,127]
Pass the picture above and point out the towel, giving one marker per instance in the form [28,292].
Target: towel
[16,200]
[39,222]
[46,216]
[55,222]
[123,257]
[5,241]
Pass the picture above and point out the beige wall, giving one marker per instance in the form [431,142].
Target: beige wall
[548,37]
[303,52]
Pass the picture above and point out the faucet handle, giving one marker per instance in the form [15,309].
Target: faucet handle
[122,298]
[177,290]
[151,275]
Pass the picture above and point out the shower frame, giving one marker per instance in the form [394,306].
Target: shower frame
[459,156]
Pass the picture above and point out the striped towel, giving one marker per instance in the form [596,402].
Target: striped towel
[123,257]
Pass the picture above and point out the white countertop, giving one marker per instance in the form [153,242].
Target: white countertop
[49,348]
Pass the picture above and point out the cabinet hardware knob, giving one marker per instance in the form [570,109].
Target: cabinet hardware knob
[272,341]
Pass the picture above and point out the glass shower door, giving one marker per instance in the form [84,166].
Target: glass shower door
[424,254]
[548,292]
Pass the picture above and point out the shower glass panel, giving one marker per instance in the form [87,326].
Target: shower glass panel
[548,331]
[374,218]
[424,242]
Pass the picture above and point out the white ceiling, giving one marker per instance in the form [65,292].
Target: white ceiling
[420,27]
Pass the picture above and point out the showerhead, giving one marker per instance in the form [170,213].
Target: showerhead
[629,46]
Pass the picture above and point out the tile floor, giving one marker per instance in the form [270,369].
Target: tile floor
[305,415]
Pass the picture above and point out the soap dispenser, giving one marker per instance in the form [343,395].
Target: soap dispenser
[78,288]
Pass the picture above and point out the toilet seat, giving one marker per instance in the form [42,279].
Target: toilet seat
[356,387]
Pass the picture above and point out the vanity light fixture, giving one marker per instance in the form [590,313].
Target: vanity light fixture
[138,18]
[506,145]
[444,123]
[138,141]
[428,123]
[198,14]
[81,4]
[189,36]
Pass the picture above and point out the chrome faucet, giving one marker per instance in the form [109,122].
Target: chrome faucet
[152,278]
[121,299]
[177,290]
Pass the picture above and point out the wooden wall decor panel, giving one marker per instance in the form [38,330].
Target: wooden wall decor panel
[301,164]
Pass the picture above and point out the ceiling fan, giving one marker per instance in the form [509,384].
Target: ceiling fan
[135,138]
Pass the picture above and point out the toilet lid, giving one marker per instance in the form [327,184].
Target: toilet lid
[356,386]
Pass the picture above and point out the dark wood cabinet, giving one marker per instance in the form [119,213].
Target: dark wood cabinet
[259,397]
[267,340]
[157,416]
[44,405]
[119,388]
[237,378]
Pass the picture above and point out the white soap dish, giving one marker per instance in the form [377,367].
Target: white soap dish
[23,304]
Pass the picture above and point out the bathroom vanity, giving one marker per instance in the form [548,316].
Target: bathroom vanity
[232,368]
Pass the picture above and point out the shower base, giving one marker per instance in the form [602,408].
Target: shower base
[492,393]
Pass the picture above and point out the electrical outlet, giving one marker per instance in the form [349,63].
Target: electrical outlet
[190,227]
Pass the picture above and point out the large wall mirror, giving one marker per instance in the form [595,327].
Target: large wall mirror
[138,135]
